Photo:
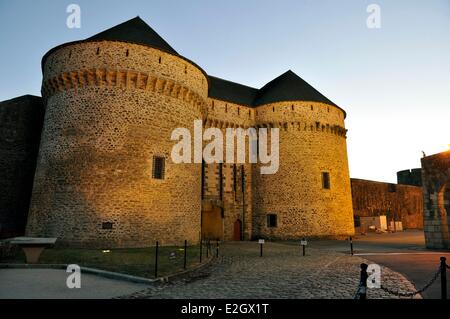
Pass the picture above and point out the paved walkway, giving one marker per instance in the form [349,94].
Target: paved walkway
[404,252]
[281,273]
[51,284]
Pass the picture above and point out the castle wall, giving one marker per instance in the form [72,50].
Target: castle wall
[312,141]
[235,201]
[111,107]
[21,122]
[410,177]
[400,202]
[436,199]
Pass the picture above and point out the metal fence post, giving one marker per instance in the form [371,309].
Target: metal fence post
[201,249]
[303,245]
[351,245]
[185,249]
[363,282]
[156,259]
[217,249]
[443,278]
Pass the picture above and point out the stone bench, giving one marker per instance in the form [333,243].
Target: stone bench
[32,246]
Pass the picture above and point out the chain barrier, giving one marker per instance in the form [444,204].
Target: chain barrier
[412,294]
[361,292]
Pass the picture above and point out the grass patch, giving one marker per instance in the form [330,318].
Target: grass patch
[132,261]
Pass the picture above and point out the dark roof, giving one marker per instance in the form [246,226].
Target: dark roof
[23,98]
[135,31]
[231,92]
[286,87]
[289,87]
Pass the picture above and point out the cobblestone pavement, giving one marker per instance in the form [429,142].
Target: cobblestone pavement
[281,273]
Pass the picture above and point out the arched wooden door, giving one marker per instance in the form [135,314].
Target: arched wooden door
[237,234]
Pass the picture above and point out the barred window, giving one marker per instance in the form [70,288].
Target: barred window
[271,220]
[325,180]
[158,167]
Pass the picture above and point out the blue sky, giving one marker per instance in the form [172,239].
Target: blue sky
[394,82]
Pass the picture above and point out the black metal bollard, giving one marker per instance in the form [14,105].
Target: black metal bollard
[185,250]
[217,249]
[156,259]
[363,282]
[260,249]
[351,245]
[443,278]
[201,250]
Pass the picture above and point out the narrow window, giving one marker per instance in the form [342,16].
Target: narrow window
[128,52]
[107,225]
[234,178]
[243,178]
[239,111]
[271,220]
[159,60]
[273,109]
[221,180]
[158,167]
[357,221]
[212,105]
[292,107]
[312,108]
[226,108]
[185,69]
[325,180]
[98,51]
[203,178]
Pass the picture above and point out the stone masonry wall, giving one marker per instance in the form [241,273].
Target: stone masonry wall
[312,141]
[400,202]
[236,203]
[111,107]
[20,129]
[436,199]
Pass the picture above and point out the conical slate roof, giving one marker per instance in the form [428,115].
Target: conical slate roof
[289,87]
[135,31]
[231,92]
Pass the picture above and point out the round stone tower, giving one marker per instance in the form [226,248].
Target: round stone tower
[104,175]
[310,194]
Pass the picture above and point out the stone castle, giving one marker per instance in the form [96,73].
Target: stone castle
[104,175]
[436,196]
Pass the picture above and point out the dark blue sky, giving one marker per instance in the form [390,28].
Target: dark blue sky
[394,82]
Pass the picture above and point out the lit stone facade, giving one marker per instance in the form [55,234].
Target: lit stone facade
[436,199]
[312,141]
[111,106]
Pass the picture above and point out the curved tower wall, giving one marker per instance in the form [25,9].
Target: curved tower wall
[110,108]
[312,141]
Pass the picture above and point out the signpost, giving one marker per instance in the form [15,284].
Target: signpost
[303,243]
[261,243]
